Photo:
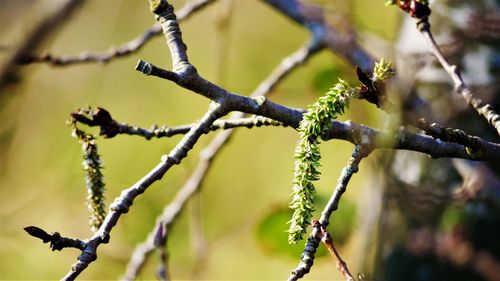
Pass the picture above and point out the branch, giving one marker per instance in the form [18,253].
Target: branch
[484,109]
[37,36]
[313,18]
[109,127]
[122,203]
[352,167]
[451,135]
[405,140]
[341,264]
[114,52]
[194,183]
[319,232]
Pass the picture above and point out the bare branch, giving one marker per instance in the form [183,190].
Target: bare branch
[319,232]
[312,17]
[341,264]
[109,127]
[485,110]
[352,167]
[196,179]
[37,36]
[116,51]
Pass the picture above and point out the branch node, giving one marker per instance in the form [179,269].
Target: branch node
[260,100]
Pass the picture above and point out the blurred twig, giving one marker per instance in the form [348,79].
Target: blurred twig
[113,52]
[36,37]
[484,109]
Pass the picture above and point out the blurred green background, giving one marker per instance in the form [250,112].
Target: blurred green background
[244,198]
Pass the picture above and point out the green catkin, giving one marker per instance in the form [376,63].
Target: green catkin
[307,154]
[94,179]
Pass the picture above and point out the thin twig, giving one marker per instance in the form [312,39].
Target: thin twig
[57,242]
[484,109]
[116,51]
[341,264]
[360,151]
[37,36]
[313,18]
[318,232]
[109,127]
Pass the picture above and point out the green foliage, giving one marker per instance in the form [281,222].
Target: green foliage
[383,70]
[307,154]
[94,179]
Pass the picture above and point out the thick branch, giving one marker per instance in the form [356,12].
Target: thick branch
[358,134]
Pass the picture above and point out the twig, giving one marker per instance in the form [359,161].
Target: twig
[313,18]
[307,257]
[122,203]
[484,109]
[57,242]
[109,127]
[160,243]
[451,135]
[37,36]
[115,51]
[318,232]
[360,151]
[341,264]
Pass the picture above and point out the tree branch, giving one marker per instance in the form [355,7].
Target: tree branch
[319,232]
[36,37]
[114,52]
[109,127]
[194,183]
[359,153]
[484,109]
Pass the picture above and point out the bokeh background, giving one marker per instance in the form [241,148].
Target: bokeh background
[240,214]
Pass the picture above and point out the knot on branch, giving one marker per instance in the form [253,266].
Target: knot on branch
[121,204]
